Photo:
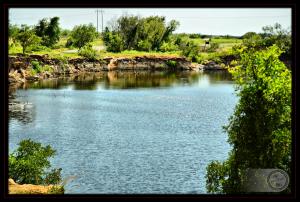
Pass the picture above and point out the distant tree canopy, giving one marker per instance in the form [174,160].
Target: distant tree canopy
[82,35]
[27,37]
[13,31]
[271,35]
[135,33]
[249,35]
[48,31]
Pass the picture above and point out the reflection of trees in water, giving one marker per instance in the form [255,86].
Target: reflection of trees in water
[148,79]
[217,76]
[85,82]
[129,79]
[20,110]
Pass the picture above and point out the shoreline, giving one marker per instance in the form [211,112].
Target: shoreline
[22,69]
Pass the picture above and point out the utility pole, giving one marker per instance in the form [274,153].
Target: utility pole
[102,19]
[97,19]
[101,11]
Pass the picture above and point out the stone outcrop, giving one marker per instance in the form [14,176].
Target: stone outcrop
[14,188]
[20,70]
[212,66]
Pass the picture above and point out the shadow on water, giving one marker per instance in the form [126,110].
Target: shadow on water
[128,80]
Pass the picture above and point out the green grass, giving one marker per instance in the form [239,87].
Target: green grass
[97,42]
[224,40]
[133,53]
[59,48]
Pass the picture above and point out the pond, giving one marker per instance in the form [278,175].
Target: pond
[126,132]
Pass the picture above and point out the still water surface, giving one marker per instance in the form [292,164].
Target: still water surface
[128,132]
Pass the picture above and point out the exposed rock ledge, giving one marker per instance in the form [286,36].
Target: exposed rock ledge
[14,188]
[19,66]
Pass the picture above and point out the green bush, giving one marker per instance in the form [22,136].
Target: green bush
[88,52]
[190,50]
[171,63]
[82,35]
[39,48]
[168,47]
[259,130]
[35,65]
[28,164]
[36,68]
[212,47]
[56,190]
[69,43]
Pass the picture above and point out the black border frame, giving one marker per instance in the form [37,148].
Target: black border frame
[139,4]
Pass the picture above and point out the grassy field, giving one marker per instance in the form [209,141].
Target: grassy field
[60,50]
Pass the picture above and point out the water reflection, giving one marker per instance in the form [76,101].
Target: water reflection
[22,111]
[128,80]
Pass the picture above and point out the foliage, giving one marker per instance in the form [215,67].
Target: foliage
[112,41]
[28,164]
[190,50]
[65,33]
[81,35]
[271,35]
[35,65]
[195,36]
[135,33]
[249,35]
[38,47]
[27,37]
[56,190]
[48,31]
[36,68]
[171,63]
[260,128]
[168,46]
[13,31]
[212,47]
[88,52]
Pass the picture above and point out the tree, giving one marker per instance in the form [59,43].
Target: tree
[48,31]
[28,164]
[271,35]
[136,33]
[83,34]
[260,128]
[53,32]
[13,31]
[249,35]
[27,37]
[65,33]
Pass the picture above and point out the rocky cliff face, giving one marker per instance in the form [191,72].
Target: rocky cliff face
[20,67]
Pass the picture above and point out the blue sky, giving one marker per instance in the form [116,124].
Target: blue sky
[222,21]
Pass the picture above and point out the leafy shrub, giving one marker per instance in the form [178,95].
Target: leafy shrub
[56,190]
[212,47]
[171,63]
[28,164]
[39,48]
[69,43]
[88,52]
[264,87]
[82,35]
[36,68]
[168,46]
[35,65]
[190,50]
[63,60]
